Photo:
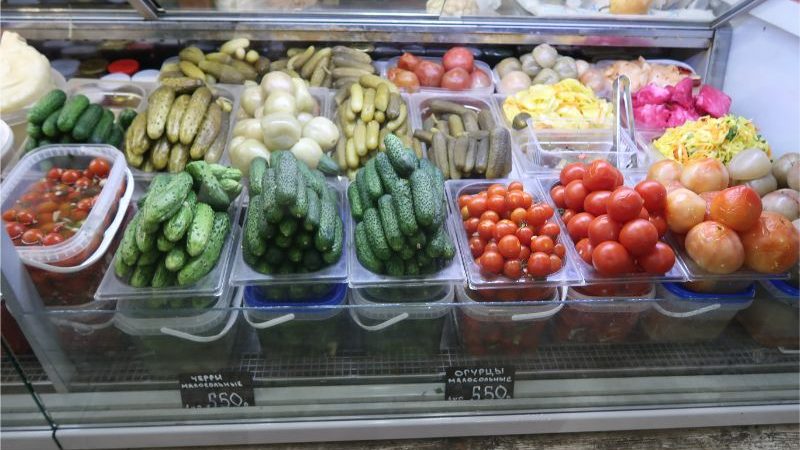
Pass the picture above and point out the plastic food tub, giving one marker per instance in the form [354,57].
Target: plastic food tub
[773,319]
[386,66]
[172,338]
[500,329]
[685,316]
[310,328]
[608,317]
[68,273]
[413,327]
[549,150]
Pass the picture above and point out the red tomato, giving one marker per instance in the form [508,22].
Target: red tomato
[15,229]
[536,215]
[99,167]
[578,226]
[524,253]
[514,200]
[654,195]
[555,263]
[509,246]
[660,224]
[476,246]
[512,269]
[471,225]
[524,233]
[504,228]
[479,79]
[595,202]
[602,176]
[458,57]
[496,189]
[539,264]
[25,217]
[560,250]
[70,176]
[624,204]
[52,239]
[404,79]
[659,260]
[10,215]
[85,204]
[32,236]
[408,61]
[738,207]
[55,173]
[527,200]
[492,262]
[491,246]
[542,244]
[575,194]
[611,258]
[486,229]
[497,203]
[490,215]
[644,214]
[550,229]
[456,79]
[429,73]
[557,194]
[638,237]
[571,172]
[585,249]
[463,200]
[568,215]
[477,206]
[518,216]
[603,229]
[77,215]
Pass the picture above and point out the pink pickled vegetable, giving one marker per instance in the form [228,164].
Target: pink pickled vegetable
[682,93]
[652,115]
[661,107]
[651,95]
[712,102]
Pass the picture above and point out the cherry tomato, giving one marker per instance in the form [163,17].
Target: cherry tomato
[524,233]
[514,200]
[404,79]
[70,176]
[486,229]
[602,176]
[32,236]
[595,202]
[456,79]
[516,186]
[497,203]
[559,250]
[527,200]
[543,244]
[570,172]
[638,237]
[660,224]
[555,263]
[568,215]
[408,61]
[55,173]
[476,246]
[15,229]
[575,194]
[585,249]
[29,197]
[476,206]
[602,229]
[644,214]
[463,200]
[512,269]
[492,262]
[52,239]
[490,215]
[429,73]
[77,215]
[654,195]
[25,217]
[550,229]
[536,215]
[548,210]
[659,260]
[48,206]
[578,226]
[10,215]
[471,225]
[496,189]
[504,228]
[611,258]
[479,79]
[524,253]
[509,246]
[99,167]
[44,218]
[624,204]
[491,246]
[539,265]
[459,57]
[518,216]
[557,194]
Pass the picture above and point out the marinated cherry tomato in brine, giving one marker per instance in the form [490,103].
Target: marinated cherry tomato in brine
[55,206]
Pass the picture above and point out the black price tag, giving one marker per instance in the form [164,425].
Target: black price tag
[479,383]
[217,390]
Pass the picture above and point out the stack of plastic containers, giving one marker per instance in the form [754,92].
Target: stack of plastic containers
[773,319]
[603,313]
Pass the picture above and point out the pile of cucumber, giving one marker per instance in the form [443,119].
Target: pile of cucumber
[292,223]
[178,126]
[58,119]
[398,203]
[234,63]
[464,143]
[177,235]
[330,67]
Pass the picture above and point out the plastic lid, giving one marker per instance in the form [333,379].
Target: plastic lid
[433,308]
[119,76]
[609,304]
[66,67]
[674,291]
[508,313]
[783,291]
[6,139]
[126,66]
[319,309]
[93,67]
[34,166]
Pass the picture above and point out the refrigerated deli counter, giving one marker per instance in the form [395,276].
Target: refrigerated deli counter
[239,223]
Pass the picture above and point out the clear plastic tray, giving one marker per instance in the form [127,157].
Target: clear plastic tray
[549,150]
[588,274]
[34,166]
[477,280]
[479,65]
[244,275]
[573,126]
[212,285]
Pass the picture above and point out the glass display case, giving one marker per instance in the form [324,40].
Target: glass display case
[271,345]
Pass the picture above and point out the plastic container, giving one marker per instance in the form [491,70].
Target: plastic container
[773,319]
[501,329]
[609,318]
[69,272]
[413,327]
[549,150]
[287,286]
[6,143]
[207,288]
[478,65]
[183,340]
[310,328]
[684,316]
[567,126]
[475,278]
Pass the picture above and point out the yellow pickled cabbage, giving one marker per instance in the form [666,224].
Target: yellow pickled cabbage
[566,104]
[24,73]
[708,137]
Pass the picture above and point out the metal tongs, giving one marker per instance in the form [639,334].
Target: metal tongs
[619,96]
